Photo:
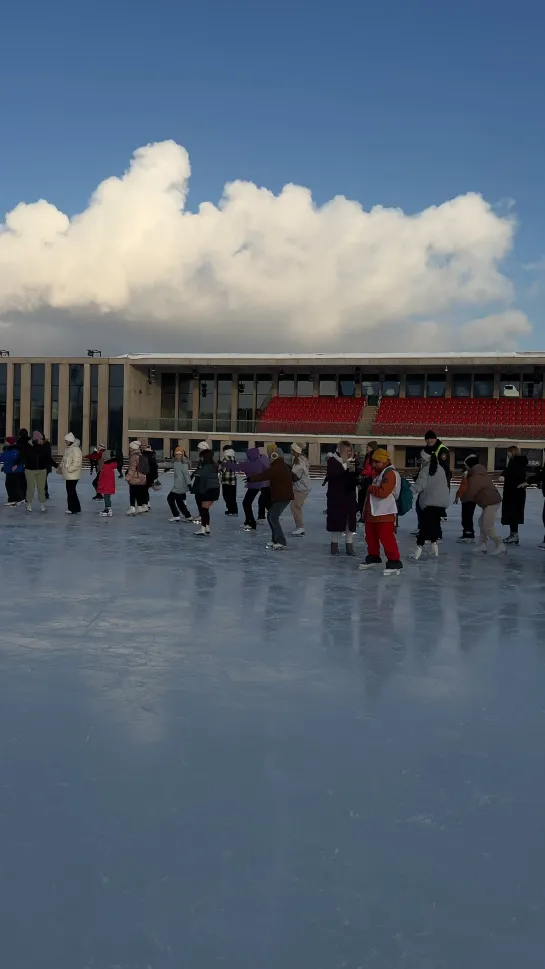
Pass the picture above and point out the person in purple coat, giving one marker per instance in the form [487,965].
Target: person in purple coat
[255,464]
[342,504]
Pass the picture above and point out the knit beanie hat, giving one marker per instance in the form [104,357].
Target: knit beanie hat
[37,436]
[134,446]
[381,456]
[203,446]
[179,450]
[471,461]
[270,448]
[373,445]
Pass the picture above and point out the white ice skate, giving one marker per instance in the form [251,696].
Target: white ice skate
[299,532]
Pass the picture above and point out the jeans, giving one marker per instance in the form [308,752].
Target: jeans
[72,497]
[229,493]
[249,498]
[107,502]
[273,517]
[264,503]
[35,480]
[176,503]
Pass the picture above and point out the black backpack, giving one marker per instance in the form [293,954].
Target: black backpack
[143,464]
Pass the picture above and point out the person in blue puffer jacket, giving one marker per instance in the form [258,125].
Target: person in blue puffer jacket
[14,471]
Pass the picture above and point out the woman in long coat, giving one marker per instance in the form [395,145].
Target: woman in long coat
[341,497]
[514,497]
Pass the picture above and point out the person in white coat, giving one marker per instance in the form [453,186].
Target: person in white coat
[432,488]
[72,461]
[301,487]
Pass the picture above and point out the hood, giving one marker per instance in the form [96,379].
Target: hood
[69,438]
[478,469]
[253,454]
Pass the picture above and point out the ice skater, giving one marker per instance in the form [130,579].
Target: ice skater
[181,485]
[302,487]
[206,487]
[254,464]
[71,465]
[36,457]
[481,490]
[341,497]
[12,465]
[514,497]
[278,475]
[135,477]
[468,507]
[433,492]
[229,481]
[380,515]
[106,482]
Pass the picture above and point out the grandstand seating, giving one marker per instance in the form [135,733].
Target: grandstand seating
[506,417]
[312,415]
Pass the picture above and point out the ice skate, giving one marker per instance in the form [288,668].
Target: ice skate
[511,539]
[106,514]
[480,548]
[42,508]
[29,507]
[350,548]
[465,540]
[299,532]
[277,547]
[201,532]
[393,568]
[131,511]
[175,519]
[499,549]
[371,562]
[434,549]
[334,548]
[417,553]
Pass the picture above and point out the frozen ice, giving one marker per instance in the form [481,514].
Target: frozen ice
[214,755]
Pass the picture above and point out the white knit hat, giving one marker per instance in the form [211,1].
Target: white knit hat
[134,446]
[203,446]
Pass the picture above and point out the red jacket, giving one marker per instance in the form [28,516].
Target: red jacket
[106,478]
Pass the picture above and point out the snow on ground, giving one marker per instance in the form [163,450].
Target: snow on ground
[218,755]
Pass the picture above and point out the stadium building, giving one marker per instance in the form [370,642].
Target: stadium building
[477,402]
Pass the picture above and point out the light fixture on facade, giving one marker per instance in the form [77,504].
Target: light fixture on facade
[4,353]
[94,353]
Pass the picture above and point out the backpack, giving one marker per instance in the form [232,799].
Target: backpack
[405,499]
[143,465]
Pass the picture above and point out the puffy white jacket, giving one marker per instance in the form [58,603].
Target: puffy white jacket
[301,472]
[72,461]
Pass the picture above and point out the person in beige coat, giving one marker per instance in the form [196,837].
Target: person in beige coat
[481,490]
[300,475]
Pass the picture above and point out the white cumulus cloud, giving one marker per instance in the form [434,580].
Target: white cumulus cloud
[256,271]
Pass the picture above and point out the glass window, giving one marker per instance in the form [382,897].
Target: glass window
[116,382]
[16,398]
[286,385]
[75,400]
[534,455]
[240,448]
[412,457]
[325,450]
[93,409]
[328,385]
[391,385]
[500,458]
[223,418]
[3,398]
[168,395]
[461,385]
[416,383]
[509,385]
[461,453]
[37,391]
[158,444]
[264,389]
[54,404]
[305,385]
[206,397]
[185,396]
[347,385]
[245,407]
[483,385]
[532,386]
[437,385]
[370,384]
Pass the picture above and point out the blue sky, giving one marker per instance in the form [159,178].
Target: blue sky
[401,103]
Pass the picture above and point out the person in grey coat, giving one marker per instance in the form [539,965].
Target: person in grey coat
[433,492]
[182,484]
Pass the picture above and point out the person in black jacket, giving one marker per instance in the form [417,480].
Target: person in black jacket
[514,497]
[37,459]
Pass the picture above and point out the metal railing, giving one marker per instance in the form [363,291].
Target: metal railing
[506,431]
[185,426]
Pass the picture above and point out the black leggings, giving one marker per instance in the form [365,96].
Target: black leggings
[429,525]
[249,498]
[205,517]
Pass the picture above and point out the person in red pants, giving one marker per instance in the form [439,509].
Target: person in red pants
[379,514]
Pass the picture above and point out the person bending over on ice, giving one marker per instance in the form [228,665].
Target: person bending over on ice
[481,490]
[468,507]
[380,514]
[341,497]
[433,492]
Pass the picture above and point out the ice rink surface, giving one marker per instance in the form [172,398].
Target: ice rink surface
[214,755]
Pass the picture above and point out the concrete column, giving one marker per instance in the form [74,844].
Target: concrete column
[126,406]
[102,410]
[491,449]
[314,452]
[448,387]
[9,398]
[496,385]
[403,385]
[196,384]
[316,388]
[64,394]
[85,442]
[25,395]
[47,401]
